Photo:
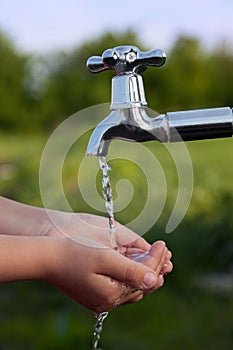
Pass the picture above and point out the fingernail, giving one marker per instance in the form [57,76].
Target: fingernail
[161,245]
[149,279]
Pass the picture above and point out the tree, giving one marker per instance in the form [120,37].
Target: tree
[13,97]
[40,92]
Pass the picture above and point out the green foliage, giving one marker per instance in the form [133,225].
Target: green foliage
[36,94]
[13,97]
[39,92]
[35,316]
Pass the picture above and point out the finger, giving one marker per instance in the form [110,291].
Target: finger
[162,262]
[127,238]
[169,255]
[124,235]
[134,298]
[129,272]
[118,294]
[167,268]
[139,243]
[156,256]
[160,283]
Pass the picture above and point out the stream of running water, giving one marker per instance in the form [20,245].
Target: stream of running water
[107,194]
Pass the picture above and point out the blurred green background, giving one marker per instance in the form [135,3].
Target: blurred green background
[194,310]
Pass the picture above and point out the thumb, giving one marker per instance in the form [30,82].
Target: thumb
[131,273]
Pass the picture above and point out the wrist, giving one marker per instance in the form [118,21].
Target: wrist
[23,258]
[22,220]
[41,224]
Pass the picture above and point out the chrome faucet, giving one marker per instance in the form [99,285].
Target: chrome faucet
[129,118]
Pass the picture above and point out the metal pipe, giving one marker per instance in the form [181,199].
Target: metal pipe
[200,124]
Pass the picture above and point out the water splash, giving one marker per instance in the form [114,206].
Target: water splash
[107,194]
[98,329]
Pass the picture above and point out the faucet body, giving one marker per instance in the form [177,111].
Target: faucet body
[129,119]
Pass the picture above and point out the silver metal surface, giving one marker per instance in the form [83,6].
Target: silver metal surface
[200,124]
[129,119]
[125,59]
[127,91]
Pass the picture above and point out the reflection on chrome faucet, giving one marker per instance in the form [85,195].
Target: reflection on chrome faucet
[129,118]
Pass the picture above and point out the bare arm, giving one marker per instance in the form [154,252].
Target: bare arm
[21,219]
[21,258]
[73,253]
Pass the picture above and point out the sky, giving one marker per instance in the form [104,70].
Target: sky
[44,26]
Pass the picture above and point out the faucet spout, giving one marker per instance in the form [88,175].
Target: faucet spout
[134,124]
[130,124]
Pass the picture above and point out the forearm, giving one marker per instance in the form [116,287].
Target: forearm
[20,219]
[23,258]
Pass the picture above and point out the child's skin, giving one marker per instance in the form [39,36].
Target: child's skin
[73,253]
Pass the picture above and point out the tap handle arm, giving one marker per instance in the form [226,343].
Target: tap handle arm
[125,60]
[95,64]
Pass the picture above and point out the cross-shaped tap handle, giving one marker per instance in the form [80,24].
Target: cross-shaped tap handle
[125,60]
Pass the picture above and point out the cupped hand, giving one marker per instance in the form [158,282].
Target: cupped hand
[97,276]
